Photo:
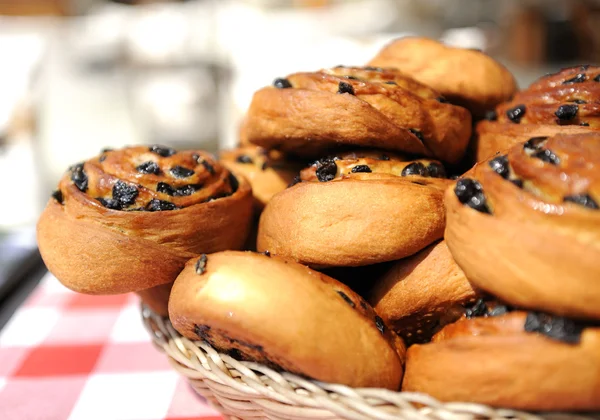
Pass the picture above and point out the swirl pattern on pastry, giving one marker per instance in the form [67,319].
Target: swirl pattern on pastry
[136,215]
[308,114]
[525,226]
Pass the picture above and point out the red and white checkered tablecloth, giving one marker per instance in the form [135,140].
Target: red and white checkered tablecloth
[66,356]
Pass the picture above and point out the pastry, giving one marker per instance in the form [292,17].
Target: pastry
[268,172]
[466,77]
[279,313]
[520,360]
[566,102]
[129,219]
[309,114]
[420,294]
[353,210]
[525,226]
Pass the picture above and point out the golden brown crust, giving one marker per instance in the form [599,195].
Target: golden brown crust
[94,249]
[350,107]
[494,361]
[361,219]
[540,246]
[419,295]
[268,172]
[278,312]
[466,77]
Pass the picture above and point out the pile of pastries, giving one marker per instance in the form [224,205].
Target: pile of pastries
[415,224]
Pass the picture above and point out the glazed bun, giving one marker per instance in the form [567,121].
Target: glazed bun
[466,77]
[287,316]
[566,102]
[129,219]
[525,226]
[420,294]
[309,114]
[526,361]
[355,210]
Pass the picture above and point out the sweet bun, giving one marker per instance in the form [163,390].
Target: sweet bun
[465,77]
[129,219]
[352,210]
[526,361]
[287,316]
[566,102]
[418,295]
[309,114]
[268,172]
[525,226]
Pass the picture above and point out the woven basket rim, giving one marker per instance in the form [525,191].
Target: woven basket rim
[241,389]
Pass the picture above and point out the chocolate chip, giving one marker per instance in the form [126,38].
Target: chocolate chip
[160,205]
[282,83]
[547,156]
[79,177]
[344,87]
[102,158]
[181,172]
[352,77]
[379,324]
[149,167]
[515,114]
[162,150]
[163,187]
[361,168]
[597,78]
[554,327]
[583,200]
[491,115]
[436,170]
[579,101]
[500,165]
[58,196]
[267,253]
[534,144]
[346,298]
[416,133]
[326,170]
[110,203]
[580,78]
[415,168]
[442,100]
[478,309]
[370,68]
[390,82]
[124,193]
[295,181]
[244,159]
[566,112]
[384,157]
[469,192]
[208,167]
[584,124]
[517,182]
[233,183]
[200,266]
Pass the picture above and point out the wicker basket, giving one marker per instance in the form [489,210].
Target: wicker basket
[246,390]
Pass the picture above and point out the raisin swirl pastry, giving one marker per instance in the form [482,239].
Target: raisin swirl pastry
[512,359]
[420,294]
[274,311]
[525,226]
[308,114]
[129,219]
[565,102]
[466,77]
[354,210]
[268,172]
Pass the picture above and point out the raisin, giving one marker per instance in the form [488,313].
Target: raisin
[58,196]
[264,166]
[517,182]
[390,82]
[441,100]
[597,78]
[478,309]
[515,114]
[534,143]
[282,83]
[208,167]
[384,157]
[361,168]
[371,68]
[102,158]
[579,101]
[160,205]
[554,327]
[547,156]
[416,133]
[499,310]
[346,298]
[162,150]
[379,324]
[326,170]
[566,112]
[79,177]
[149,167]
[415,168]
[500,165]
[181,172]
[352,77]
[584,124]
[233,183]
[267,253]
[469,192]
[200,266]
[580,78]
[124,193]
[110,203]
[163,187]
[583,200]
[436,170]
[491,115]
[344,87]
[244,159]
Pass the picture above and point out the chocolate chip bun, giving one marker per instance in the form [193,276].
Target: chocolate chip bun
[520,360]
[354,210]
[309,114]
[566,102]
[418,295]
[525,226]
[268,172]
[129,219]
[465,77]
[287,316]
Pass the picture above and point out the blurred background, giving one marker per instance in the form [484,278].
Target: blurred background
[80,75]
